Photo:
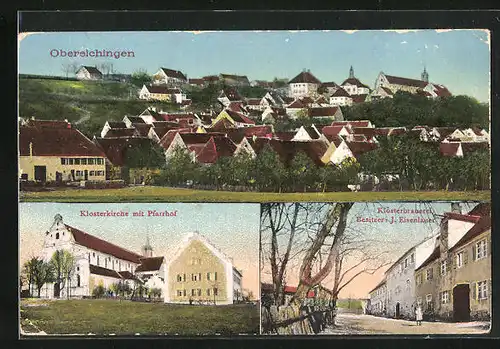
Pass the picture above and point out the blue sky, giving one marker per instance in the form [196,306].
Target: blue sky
[459,59]
[233,228]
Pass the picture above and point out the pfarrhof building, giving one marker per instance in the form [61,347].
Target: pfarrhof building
[448,274]
[197,273]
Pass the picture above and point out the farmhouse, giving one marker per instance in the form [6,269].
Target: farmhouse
[169,77]
[88,73]
[55,151]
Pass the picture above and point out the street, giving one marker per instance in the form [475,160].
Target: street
[368,324]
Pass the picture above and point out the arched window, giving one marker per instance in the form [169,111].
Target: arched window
[78,280]
[57,236]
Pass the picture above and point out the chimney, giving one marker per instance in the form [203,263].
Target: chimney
[456,207]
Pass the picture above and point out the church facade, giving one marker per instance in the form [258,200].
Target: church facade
[98,262]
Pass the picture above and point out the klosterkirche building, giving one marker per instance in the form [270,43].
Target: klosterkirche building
[197,272]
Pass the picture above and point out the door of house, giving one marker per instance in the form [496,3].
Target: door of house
[40,173]
[397,311]
[461,303]
[86,175]
[56,290]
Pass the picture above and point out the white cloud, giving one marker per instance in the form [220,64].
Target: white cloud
[436,46]
[404,42]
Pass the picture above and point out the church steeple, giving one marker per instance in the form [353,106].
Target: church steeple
[425,76]
[351,73]
[147,249]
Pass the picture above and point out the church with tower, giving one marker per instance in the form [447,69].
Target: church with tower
[353,86]
[97,262]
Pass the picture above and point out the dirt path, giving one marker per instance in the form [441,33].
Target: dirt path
[368,324]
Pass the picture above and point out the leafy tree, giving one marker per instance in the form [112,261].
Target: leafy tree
[268,170]
[30,269]
[140,78]
[302,171]
[43,275]
[63,265]
[180,168]
[240,167]
[99,291]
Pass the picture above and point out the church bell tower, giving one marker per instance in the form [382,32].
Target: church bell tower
[147,249]
[351,73]
[425,75]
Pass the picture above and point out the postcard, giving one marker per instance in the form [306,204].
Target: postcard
[139,269]
[254,116]
[376,268]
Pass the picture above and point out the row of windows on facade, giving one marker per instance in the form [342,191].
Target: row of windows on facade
[479,292]
[197,277]
[91,173]
[197,292]
[82,161]
[479,251]
[113,262]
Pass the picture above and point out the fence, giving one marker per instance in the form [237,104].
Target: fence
[291,319]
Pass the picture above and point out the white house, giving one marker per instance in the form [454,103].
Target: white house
[340,98]
[88,73]
[162,93]
[304,84]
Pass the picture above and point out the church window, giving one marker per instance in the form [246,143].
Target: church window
[97,260]
[57,236]
[215,276]
[78,280]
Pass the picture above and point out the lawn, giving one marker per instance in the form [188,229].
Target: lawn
[165,194]
[104,317]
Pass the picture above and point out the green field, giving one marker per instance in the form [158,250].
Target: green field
[104,317]
[165,194]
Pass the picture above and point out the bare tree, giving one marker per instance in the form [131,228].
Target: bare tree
[66,68]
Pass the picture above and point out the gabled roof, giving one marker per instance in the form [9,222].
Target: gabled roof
[368,132]
[149,264]
[333,130]
[380,284]
[305,77]
[285,136]
[238,106]
[359,148]
[353,81]
[237,134]
[211,78]
[396,80]
[196,81]
[135,119]
[296,104]
[340,92]
[174,74]
[120,132]
[462,217]
[287,150]
[387,90]
[321,100]
[222,125]
[329,84]
[449,149]
[482,225]
[116,124]
[142,129]
[239,117]
[96,270]
[441,90]
[57,141]
[311,131]
[91,70]
[94,243]
[231,93]
[175,117]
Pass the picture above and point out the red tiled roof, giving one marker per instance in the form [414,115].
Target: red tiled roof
[239,117]
[211,78]
[396,80]
[293,289]
[305,77]
[332,130]
[449,149]
[312,132]
[322,111]
[481,209]
[136,119]
[94,243]
[120,132]
[462,217]
[482,225]
[341,93]
[433,256]
[165,124]
[175,117]
[237,106]
[306,100]
[237,134]
[116,124]
[441,91]
[287,150]
[94,269]
[57,141]
[174,74]
[329,84]
[445,131]
[142,129]
[196,81]
[150,264]
[353,81]
[369,132]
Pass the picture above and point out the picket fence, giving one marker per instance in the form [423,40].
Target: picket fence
[291,319]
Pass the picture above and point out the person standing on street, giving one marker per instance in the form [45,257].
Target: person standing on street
[418,315]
